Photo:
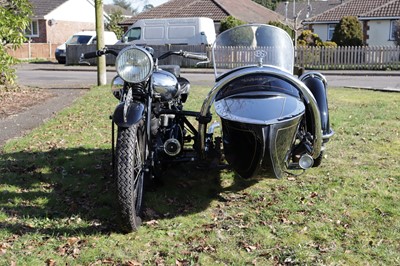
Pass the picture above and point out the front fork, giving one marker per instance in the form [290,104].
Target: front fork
[128,113]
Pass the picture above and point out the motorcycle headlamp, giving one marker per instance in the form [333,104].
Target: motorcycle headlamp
[134,64]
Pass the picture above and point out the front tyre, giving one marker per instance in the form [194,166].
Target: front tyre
[130,174]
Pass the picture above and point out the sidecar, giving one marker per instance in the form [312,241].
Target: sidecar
[271,120]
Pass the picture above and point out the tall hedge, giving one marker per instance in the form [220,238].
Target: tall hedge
[14,19]
[348,32]
[230,22]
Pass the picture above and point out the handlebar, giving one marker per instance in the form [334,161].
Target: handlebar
[185,54]
[195,56]
[98,53]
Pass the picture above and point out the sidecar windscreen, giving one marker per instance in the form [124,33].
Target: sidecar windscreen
[254,44]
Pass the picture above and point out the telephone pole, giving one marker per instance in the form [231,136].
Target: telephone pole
[101,61]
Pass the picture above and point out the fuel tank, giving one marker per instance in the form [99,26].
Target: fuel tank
[166,85]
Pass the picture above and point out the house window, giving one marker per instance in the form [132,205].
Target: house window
[33,29]
[394,27]
[331,30]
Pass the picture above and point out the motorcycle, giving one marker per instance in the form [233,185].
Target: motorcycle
[272,122]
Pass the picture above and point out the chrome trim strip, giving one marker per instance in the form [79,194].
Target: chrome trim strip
[313,74]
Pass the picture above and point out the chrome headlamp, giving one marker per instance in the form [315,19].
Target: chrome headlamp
[134,64]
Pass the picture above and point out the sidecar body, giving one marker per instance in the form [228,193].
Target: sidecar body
[259,127]
[271,120]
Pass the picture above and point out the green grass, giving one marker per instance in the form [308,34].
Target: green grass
[57,197]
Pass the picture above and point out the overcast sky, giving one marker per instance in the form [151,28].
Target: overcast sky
[137,3]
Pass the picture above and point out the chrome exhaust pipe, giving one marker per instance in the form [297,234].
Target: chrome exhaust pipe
[306,161]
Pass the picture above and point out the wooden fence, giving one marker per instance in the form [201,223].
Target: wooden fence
[363,57]
[34,50]
[324,58]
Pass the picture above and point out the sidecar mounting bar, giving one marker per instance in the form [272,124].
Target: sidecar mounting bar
[178,112]
[201,118]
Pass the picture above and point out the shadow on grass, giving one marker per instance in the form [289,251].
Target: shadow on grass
[59,192]
[72,191]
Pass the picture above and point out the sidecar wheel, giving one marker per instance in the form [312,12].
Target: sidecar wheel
[130,175]
[318,160]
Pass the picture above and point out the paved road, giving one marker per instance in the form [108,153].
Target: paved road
[68,83]
[55,75]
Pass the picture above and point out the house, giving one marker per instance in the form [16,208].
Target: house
[245,10]
[109,9]
[377,17]
[303,9]
[54,21]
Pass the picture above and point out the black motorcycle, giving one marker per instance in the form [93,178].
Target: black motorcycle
[272,121]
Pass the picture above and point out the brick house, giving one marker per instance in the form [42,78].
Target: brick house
[54,21]
[377,17]
[245,10]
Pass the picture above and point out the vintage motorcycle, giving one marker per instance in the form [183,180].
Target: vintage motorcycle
[272,121]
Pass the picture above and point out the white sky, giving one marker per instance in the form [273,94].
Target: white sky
[141,3]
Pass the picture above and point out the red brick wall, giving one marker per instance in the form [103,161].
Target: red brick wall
[42,33]
[60,31]
[34,50]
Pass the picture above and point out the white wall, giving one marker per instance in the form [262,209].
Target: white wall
[322,31]
[379,33]
[74,11]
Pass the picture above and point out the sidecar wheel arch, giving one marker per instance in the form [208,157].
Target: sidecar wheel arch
[318,160]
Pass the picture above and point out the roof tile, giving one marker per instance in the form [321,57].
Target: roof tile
[350,8]
[217,10]
[41,8]
[391,9]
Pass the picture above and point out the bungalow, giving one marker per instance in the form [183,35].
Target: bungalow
[54,21]
[245,10]
[109,9]
[377,17]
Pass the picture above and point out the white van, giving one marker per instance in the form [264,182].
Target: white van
[184,31]
[83,37]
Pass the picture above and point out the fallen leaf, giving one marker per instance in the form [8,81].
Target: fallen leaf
[132,263]
[152,222]
[72,240]
[50,262]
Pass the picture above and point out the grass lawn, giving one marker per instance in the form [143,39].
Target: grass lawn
[58,199]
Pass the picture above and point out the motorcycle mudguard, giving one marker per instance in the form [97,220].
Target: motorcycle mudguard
[128,116]
[317,85]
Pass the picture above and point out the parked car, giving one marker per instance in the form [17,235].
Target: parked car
[86,38]
[184,31]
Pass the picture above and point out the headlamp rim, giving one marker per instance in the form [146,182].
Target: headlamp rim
[148,55]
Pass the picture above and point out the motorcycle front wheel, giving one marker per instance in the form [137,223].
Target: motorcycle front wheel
[130,175]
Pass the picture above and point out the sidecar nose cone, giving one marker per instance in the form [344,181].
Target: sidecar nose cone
[306,161]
